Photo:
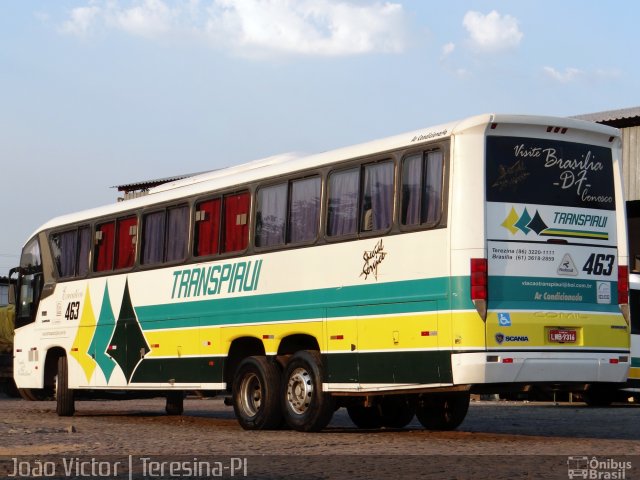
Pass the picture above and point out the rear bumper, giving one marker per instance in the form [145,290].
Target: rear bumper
[529,367]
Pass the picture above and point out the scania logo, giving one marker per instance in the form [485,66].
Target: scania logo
[501,337]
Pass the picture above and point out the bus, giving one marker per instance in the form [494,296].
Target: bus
[392,278]
[632,388]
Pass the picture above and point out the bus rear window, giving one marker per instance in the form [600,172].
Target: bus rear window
[549,172]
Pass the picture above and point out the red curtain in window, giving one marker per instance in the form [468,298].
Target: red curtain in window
[207,230]
[104,248]
[126,251]
[236,222]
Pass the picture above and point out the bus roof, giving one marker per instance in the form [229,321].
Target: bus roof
[272,167]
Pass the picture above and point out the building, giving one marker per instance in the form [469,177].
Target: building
[628,121]
[139,189]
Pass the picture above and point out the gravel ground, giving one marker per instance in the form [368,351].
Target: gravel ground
[497,439]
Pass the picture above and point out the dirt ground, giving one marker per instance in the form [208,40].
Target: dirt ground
[497,440]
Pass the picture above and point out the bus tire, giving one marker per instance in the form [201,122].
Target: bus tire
[305,406]
[363,417]
[255,389]
[32,394]
[397,411]
[65,401]
[442,411]
[175,403]
[598,397]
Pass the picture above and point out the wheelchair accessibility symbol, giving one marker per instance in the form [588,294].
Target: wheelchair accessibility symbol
[504,319]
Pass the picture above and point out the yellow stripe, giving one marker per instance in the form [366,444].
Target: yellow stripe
[449,330]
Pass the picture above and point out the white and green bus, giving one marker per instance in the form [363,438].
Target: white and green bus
[392,278]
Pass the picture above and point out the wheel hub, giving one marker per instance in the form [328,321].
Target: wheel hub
[299,391]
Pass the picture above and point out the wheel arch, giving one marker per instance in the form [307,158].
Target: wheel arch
[240,348]
[51,365]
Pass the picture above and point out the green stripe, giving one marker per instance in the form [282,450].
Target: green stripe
[368,367]
[635,362]
[374,299]
[562,232]
[389,367]
[443,293]
[179,370]
[510,292]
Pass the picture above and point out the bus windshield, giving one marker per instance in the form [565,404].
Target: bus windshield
[30,283]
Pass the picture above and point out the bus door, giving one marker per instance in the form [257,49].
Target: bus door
[551,244]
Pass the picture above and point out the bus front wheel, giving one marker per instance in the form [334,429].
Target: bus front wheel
[65,401]
[442,411]
[306,407]
[256,388]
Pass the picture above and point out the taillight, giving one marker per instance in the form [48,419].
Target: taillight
[623,292]
[479,284]
[623,284]
[478,279]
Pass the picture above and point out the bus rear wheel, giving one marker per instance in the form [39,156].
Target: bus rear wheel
[442,411]
[305,406]
[256,388]
[365,417]
[397,410]
[65,400]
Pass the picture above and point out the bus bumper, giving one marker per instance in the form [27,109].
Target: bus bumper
[526,367]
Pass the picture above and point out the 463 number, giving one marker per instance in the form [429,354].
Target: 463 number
[599,264]
[73,311]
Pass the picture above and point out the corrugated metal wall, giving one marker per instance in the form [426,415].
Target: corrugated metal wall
[631,162]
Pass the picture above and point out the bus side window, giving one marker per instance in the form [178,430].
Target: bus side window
[104,247]
[304,210]
[127,233]
[64,246]
[236,222]
[177,233]
[271,215]
[84,247]
[343,202]
[207,228]
[422,188]
[377,197]
[153,225]
[70,251]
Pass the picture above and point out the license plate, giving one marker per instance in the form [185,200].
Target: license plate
[562,336]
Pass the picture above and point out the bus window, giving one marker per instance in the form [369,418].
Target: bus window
[304,211]
[30,283]
[126,246]
[207,231]
[236,216]
[70,252]
[64,250]
[177,233]
[153,238]
[271,214]
[84,247]
[422,188]
[104,247]
[343,202]
[165,235]
[377,197]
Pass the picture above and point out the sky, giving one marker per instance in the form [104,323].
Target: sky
[97,93]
